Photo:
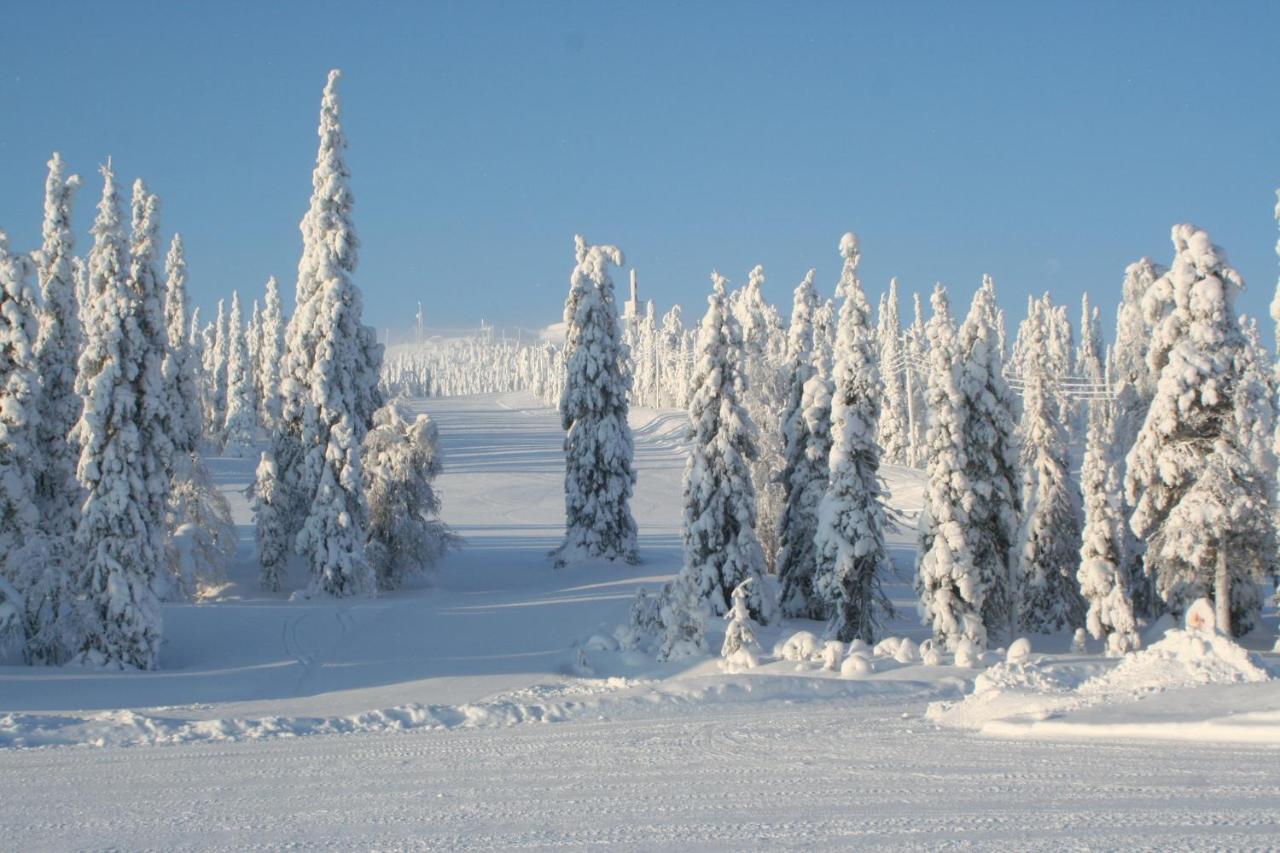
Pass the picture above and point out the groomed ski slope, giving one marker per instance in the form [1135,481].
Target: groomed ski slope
[457,713]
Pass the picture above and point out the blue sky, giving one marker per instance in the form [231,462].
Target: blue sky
[1046,144]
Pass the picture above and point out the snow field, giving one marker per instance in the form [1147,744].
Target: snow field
[448,715]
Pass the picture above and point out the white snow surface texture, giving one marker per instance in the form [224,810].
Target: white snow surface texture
[487,706]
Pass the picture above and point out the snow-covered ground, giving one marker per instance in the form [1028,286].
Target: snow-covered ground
[458,713]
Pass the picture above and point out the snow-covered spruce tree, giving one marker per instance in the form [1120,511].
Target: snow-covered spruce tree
[916,385]
[598,478]
[215,417]
[24,558]
[271,354]
[852,558]
[1133,330]
[1049,540]
[1201,502]
[239,426]
[274,541]
[894,436]
[253,349]
[824,334]
[804,477]
[50,611]
[763,396]
[328,383]
[1089,354]
[682,616]
[671,336]
[333,366]
[1110,615]
[1134,385]
[720,545]
[118,575]
[950,587]
[156,418]
[179,362]
[401,459]
[990,458]
[199,517]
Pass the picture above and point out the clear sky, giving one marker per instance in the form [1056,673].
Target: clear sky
[1046,144]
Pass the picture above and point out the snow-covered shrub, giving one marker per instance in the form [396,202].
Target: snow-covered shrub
[1019,651]
[930,654]
[907,651]
[856,666]
[643,630]
[887,647]
[833,652]
[740,635]
[800,646]
[967,653]
[683,616]
[401,461]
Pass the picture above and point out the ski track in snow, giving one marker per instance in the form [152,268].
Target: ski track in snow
[265,707]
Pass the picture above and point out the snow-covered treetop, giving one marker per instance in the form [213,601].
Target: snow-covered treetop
[1198,285]
[849,273]
[800,333]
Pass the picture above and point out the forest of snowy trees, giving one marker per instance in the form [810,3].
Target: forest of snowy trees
[115,393]
[1071,483]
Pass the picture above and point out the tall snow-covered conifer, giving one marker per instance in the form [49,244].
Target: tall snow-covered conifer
[117,577]
[271,354]
[1110,615]
[599,477]
[240,416]
[156,418]
[852,559]
[333,366]
[804,478]
[57,492]
[894,435]
[763,396]
[24,558]
[179,363]
[720,545]
[990,458]
[1049,540]
[1201,502]
[951,590]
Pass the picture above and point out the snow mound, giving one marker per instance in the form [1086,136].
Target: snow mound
[1181,659]
[800,646]
[1047,699]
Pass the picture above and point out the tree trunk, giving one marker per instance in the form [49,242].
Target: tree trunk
[1222,594]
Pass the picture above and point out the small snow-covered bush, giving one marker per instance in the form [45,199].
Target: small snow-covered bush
[832,654]
[887,647]
[930,654]
[967,653]
[800,646]
[856,666]
[740,634]
[644,626]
